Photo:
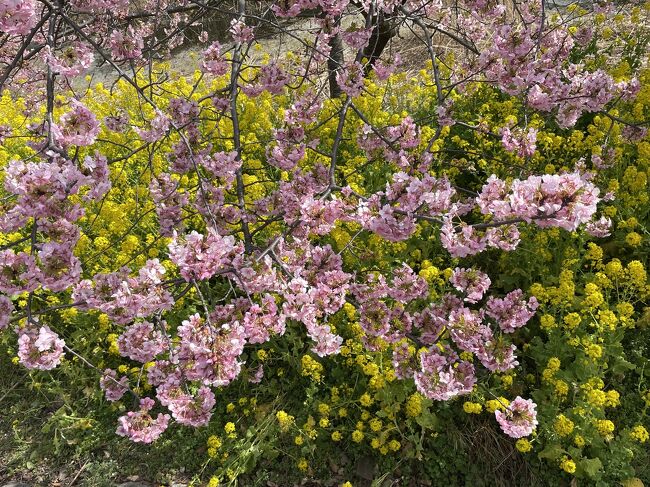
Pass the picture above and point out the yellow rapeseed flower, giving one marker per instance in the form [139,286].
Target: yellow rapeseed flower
[639,433]
[563,426]
[568,465]
[472,407]
[523,445]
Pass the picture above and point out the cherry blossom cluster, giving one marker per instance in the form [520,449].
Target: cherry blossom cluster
[113,388]
[140,426]
[532,59]
[40,348]
[17,17]
[290,276]
[442,376]
[190,410]
[78,126]
[470,330]
[519,419]
[318,289]
[140,342]
[404,199]
[41,194]
[124,298]
[560,200]
[553,200]
[523,143]
[200,257]
[169,203]
[73,60]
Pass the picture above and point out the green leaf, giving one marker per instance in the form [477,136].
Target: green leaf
[427,420]
[552,452]
[574,453]
[591,467]
[621,365]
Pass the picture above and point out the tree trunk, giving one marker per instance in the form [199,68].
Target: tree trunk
[384,29]
[335,62]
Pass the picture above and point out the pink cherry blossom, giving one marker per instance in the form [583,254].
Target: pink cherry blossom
[599,228]
[58,267]
[141,342]
[350,79]
[519,419]
[201,256]
[43,188]
[139,426]
[17,17]
[125,298]
[467,329]
[210,352]
[213,61]
[18,272]
[512,311]
[39,348]
[442,377]
[523,143]
[263,320]
[78,126]
[222,165]
[113,388]
[240,32]
[496,355]
[257,376]
[158,128]
[169,203]
[188,409]
[72,60]
[471,282]
[6,308]
[356,38]
[126,45]
[98,176]
[463,242]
